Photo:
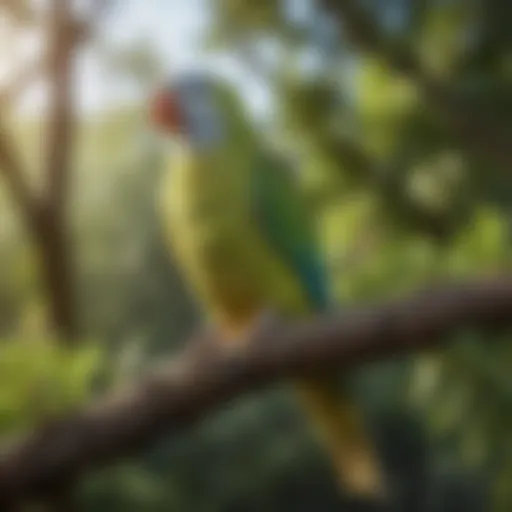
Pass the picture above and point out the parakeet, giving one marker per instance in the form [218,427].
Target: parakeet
[237,223]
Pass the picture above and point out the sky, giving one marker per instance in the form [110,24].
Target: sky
[175,28]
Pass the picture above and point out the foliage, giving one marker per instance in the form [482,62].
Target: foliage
[40,380]
[390,183]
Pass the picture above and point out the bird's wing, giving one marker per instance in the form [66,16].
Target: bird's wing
[280,212]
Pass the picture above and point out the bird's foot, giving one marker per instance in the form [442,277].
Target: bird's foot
[240,338]
[364,481]
[266,321]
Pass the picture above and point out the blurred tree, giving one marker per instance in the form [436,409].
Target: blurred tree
[102,269]
[45,213]
[400,112]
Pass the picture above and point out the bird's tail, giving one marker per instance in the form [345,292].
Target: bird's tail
[340,426]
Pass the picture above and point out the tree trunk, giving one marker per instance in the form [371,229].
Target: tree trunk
[57,276]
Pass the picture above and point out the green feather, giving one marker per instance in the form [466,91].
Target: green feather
[283,219]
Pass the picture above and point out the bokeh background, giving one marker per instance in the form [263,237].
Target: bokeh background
[402,141]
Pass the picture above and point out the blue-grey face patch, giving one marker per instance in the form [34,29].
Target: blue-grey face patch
[203,118]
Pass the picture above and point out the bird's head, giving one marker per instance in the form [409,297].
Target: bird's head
[194,108]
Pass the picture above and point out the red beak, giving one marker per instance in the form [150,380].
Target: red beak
[165,112]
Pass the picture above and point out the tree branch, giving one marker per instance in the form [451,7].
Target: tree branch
[478,132]
[203,379]
[62,116]
[66,35]
[44,215]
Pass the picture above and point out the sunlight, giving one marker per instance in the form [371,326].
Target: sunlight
[18,48]
[179,49]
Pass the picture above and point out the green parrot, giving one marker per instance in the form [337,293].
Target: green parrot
[236,221]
